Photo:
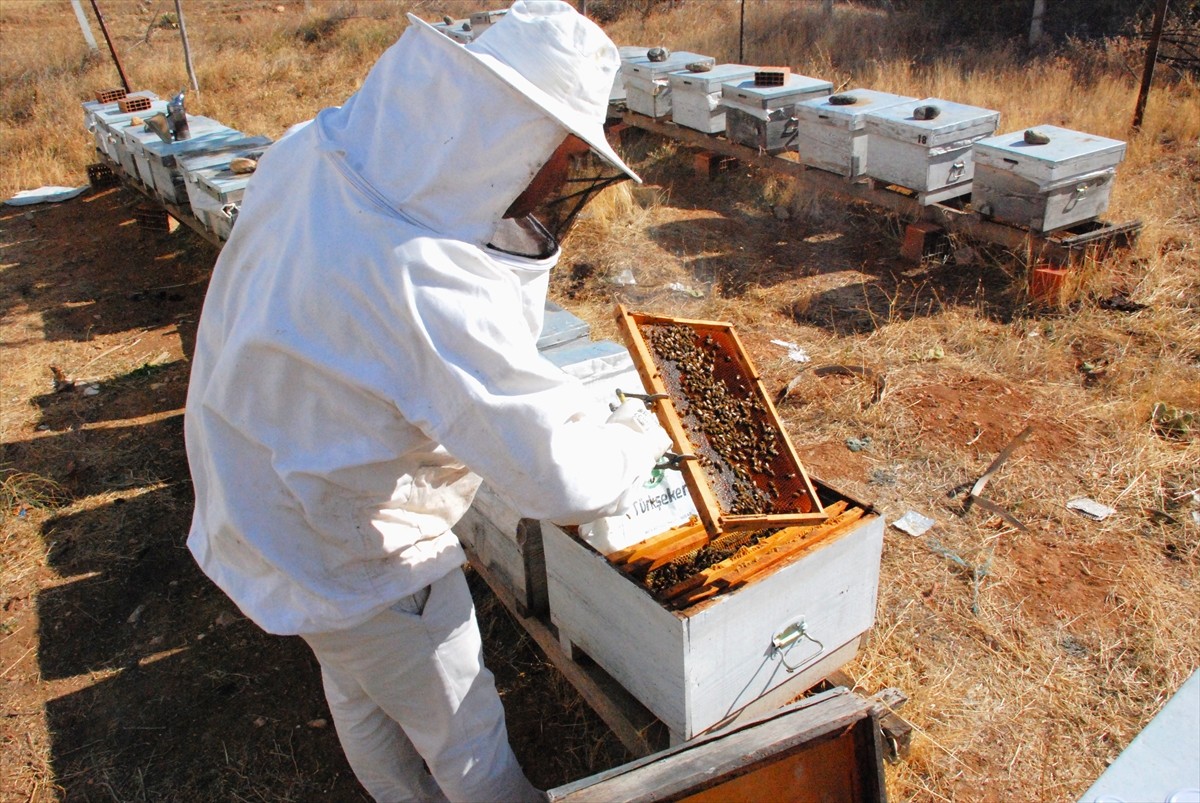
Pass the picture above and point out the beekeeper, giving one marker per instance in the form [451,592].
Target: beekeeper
[367,356]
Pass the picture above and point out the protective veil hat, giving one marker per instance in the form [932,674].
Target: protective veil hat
[559,59]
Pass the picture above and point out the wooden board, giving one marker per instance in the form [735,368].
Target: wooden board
[825,748]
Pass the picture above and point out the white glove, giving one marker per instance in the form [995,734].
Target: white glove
[633,414]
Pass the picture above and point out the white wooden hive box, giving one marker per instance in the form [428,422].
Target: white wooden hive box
[225,189]
[1047,186]
[205,206]
[702,667]
[696,96]
[763,116]
[92,109]
[927,156]
[647,88]
[156,159]
[628,53]
[833,136]
[112,122]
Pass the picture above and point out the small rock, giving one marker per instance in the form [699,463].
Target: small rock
[858,444]
[242,165]
[259,722]
[1036,137]
[926,112]
[137,614]
[317,723]
[657,54]
[882,476]
[225,619]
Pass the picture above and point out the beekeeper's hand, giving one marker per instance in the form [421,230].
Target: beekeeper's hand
[633,414]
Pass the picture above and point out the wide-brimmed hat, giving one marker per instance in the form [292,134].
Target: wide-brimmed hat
[558,59]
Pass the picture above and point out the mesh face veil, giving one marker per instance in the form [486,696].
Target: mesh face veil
[559,214]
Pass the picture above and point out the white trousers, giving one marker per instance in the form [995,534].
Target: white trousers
[408,690]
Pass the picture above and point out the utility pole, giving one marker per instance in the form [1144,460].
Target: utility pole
[742,34]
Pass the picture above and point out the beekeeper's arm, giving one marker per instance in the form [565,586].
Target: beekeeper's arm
[480,388]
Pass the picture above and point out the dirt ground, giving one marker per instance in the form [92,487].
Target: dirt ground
[126,675]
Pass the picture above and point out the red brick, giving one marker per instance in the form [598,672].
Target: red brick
[919,240]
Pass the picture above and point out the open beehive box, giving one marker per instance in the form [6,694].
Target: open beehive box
[767,590]
[745,474]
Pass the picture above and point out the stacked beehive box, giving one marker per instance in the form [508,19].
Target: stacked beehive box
[1046,178]
[926,146]
[108,124]
[760,112]
[696,95]
[647,87]
[726,638]
[157,161]
[214,190]
[831,131]
[189,175]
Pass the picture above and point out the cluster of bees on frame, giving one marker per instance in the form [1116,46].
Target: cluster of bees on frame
[728,427]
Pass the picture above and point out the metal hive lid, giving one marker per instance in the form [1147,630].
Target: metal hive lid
[795,87]
[711,81]
[853,116]
[643,67]
[1068,153]
[955,121]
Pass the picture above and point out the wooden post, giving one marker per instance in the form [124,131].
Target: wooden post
[1035,23]
[83,26]
[1160,15]
[111,49]
[742,34]
[187,51]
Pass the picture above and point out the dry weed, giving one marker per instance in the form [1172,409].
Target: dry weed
[1032,657]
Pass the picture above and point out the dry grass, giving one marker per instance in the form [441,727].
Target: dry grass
[1032,657]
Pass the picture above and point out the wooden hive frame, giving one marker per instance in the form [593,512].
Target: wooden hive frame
[804,507]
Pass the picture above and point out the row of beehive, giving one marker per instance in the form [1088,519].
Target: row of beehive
[1046,179]
[191,174]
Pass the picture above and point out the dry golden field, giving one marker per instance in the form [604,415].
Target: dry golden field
[1031,656]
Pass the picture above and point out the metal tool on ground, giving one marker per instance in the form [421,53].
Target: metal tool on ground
[975,497]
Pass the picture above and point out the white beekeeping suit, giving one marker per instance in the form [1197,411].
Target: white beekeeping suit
[365,357]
